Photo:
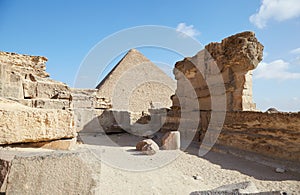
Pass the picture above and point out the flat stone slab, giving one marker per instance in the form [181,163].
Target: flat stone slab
[41,171]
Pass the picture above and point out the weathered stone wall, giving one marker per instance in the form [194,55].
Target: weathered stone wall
[87,107]
[227,64]
[33,108]
[271,134]
[23,79]
[276,135]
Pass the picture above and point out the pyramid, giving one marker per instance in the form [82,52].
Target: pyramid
[132,59]
[151,84]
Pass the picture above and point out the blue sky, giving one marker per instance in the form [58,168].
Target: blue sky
[65,30]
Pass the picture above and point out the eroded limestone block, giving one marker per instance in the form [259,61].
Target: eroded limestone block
[221,68]
[24,124]
[25,63]
[49,89]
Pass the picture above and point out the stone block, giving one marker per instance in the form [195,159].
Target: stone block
[60,104]
[45,172]
[21,124]
[81,104]
[86,120]
[49,89]
[29,89]
[171,140]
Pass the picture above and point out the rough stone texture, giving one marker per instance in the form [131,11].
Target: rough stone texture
[23,79]
[49,172]
[232,61]
[33,107]
[25,63]
[171,141]
[135,85]
[275,135]
[24,124]
[88,99]
[140,145]
[89,108]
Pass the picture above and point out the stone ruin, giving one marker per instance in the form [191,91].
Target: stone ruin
[244,128]
[37,111]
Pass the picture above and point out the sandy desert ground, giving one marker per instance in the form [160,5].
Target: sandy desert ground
[126,171]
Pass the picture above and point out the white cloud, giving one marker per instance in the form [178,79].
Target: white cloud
[277,69]
[187,30]
[278,10]
[296,51]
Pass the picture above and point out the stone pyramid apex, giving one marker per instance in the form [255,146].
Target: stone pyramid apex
[137,67]
[131,59]
[133,54]
[133,50]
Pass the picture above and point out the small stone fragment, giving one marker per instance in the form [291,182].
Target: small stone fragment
[197,177]
[141,144]
[272,110]
[279,170]
[149,149]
